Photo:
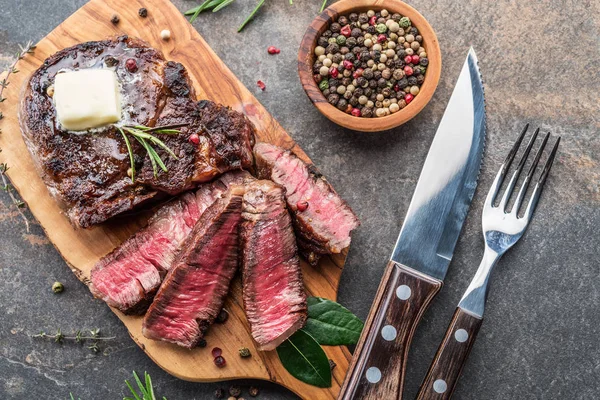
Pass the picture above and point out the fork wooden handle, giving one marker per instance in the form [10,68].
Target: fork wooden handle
[442,377]
[377,369]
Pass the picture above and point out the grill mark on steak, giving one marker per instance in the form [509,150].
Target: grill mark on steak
[325,226]
[87,171]
[273,290]
[129,276]
[195,288]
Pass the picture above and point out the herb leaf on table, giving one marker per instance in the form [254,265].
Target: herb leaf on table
[331,324]
[304,358]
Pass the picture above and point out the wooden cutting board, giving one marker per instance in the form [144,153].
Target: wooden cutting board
[82,248]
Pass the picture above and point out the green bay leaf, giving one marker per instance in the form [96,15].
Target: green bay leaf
[332,324]
[305,359]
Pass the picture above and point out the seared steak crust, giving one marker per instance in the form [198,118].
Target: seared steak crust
[322,220]
[129,276]
[273,291]
[87,172]
[195,288]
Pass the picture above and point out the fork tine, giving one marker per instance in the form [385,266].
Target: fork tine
[541,181]
[499,180]
[532,169]
[515,177]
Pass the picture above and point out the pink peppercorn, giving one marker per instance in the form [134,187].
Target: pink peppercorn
[408,70]
[220,362]
[397,87]
[408,98]
[408,59]
[261,85]
[348,64]
[381,38]
[415,59]
[346,31]
[373,20]
[333,72]
[216,352]
[358,73]
[356,112]
[302,205]
[131,65]
[194,138]
[273,50]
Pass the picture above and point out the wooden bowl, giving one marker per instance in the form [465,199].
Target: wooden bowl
[306,58]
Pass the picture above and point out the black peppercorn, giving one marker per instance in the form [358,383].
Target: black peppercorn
[235,391]
[381,20]
[344,50]
[333,98]
[366,112]
[368,92]
[358,91]
[337,58]
[346,81]
[365,56]
[417,70]
[377,75]
[362,82]
[341,68]
[420,79]
[424,61]
[350,57]
[401,53]
[343,20]
[399,63]
[219,393]
[317,68]
[371,29]
[142,12]
[413,31]
[323,42]
[386,92]
[332,48]
[402,83]
[363,18]
[326,34]
[351,42]
[364,65]
[357,63]
[396,17]
[368,73]
[419,38]
[222,317]
[353,17]
[335,27]
[332,89]
[353,101]
[253,391]
[382,82]
[115,19]
[373,84]
[390,63]
[373,97]
[360,41]
[333,82]
[326,92]
[356,32]
[342,104]
[202,343]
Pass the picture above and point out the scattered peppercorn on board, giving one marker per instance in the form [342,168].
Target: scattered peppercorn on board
[81,248]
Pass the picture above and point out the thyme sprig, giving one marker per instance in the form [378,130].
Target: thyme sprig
[12,69]
[79,337]
[145,136]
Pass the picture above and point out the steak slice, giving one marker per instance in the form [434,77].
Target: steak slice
[273,291]
[196,286]
[129,276]
[87,172]
[324,226]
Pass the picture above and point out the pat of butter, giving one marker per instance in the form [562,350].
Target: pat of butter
[87,98]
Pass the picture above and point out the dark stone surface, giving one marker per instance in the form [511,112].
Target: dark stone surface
[540,62]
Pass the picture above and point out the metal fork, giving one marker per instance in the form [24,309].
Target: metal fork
[502,228]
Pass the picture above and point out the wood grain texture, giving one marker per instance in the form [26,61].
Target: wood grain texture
[398,310]
[451,357]
[82,248]
[306,60]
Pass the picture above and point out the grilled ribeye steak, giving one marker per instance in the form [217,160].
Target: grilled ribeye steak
[322,220]
[195,288]
[273,291]
[129,276]
[87,172]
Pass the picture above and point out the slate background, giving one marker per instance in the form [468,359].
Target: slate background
[540,61]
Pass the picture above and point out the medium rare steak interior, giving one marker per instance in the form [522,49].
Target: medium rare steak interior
[273,291]
[88,172]
[322,220]
[130,275]
[195,288]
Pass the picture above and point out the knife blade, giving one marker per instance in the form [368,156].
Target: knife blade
[425,245]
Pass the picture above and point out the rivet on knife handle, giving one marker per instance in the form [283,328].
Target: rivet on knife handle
[377,369]
[451,356]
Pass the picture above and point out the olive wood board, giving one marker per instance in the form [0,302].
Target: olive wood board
[82,248]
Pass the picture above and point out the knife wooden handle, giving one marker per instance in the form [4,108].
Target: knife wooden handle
[451,356]
[378,365]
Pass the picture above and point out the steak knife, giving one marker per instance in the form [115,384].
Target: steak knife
[424,249]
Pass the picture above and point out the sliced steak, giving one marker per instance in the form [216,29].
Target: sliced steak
[195,288]
[273,291]
[323,221]
[87,172]
[130,275]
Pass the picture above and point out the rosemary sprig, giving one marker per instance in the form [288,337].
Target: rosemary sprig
[145,136]
[146,388]
[79,337]
[252,14]
[28,49]
[217,5]
[323,6]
